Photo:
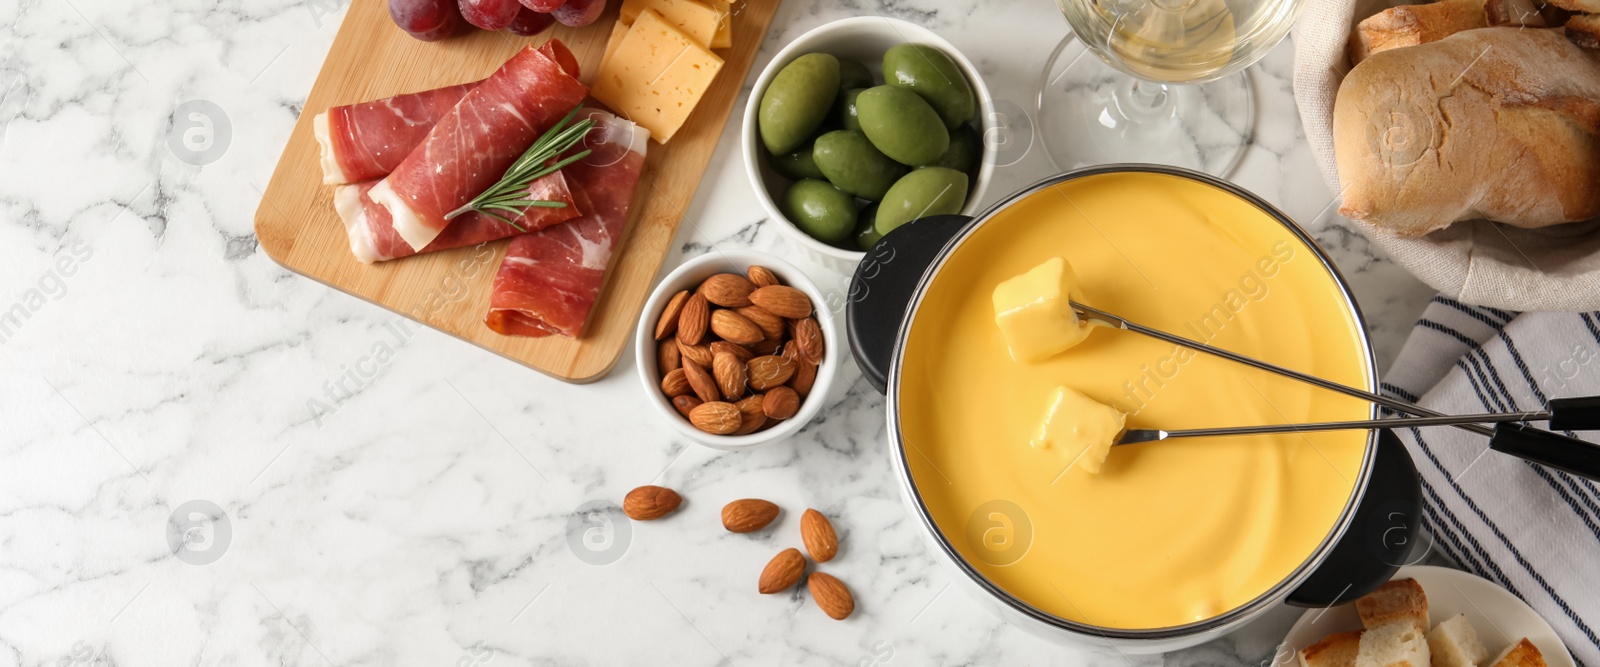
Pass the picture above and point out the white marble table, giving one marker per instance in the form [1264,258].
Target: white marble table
[161,363]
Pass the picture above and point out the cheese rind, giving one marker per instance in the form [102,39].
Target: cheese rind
[1033,312]
[1080,429]
[656,76]
[696,19]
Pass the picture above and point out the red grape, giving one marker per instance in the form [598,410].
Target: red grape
[427,20]
[545,6]
[530,23]
[579,13]
[490,14]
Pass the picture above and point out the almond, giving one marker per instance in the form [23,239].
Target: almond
[751,415]
[761,276]
[831,595]
[765,347]
[782,301]
[729,372]
[782,572]
[780,403]
[734,328]
[807,334]
[748,515]
[768,372]
[700,381]
[817,534]
[675,384]
[716,418]
[771,325]
[740,351]
[686,404]
[805,375]
[667,356]
[650,502]
[700,354]
[669,315]
[693,320]
[729,290]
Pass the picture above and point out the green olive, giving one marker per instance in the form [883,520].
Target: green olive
[902,125]
[853,165]
[853,74]
[796,101]
[919,194]
[867,229]
[796,164]
[966,148]
[825,212]
[934,76]
[846,113]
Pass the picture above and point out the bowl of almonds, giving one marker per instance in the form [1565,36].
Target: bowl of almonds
[736,349]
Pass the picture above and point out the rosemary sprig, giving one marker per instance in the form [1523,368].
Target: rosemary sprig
[510,193]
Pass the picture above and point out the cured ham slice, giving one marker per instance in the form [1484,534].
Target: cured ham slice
[366,141]
[550,279]
[373,238]
[473,144]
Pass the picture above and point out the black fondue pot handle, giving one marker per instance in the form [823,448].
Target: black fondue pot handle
[1387,523]
[881,289]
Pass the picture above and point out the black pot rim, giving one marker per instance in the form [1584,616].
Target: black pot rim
[1243,612]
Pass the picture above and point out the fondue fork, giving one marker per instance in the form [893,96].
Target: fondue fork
[1511,434]
[1119,322]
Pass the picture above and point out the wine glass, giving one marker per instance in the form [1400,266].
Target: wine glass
[1166,85]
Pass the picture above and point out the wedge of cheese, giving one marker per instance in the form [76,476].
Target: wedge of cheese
[656,76]
[696,19]
[618,31]
[724,37]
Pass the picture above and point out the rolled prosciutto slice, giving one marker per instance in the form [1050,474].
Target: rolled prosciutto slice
[473,144]
[550,279]
[373,238]
[366,141]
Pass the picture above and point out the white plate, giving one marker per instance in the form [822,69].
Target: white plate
[1499,617]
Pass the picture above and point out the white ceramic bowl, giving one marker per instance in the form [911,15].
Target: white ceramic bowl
[865,39]
[688,276]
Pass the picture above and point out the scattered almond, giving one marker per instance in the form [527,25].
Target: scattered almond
[735,328]
[729,290]
[781,300]
[675,383]
[650,502]
[700,381]
[729,372]
[771,325]
[751,415]
[740,351]
[780,403]
[669,315]
[747,515]
[701,354]
[667,356]
[761,276]
[807,335]
[782,572]
[716,418]
[769,371]
[694,319]
[817,534]
[686,404]
[831,595]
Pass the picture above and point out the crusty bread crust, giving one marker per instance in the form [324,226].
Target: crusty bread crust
[1336,650]
[1520,654]
[1497,123]
[1584,30]
[1410,25]
[1396,601]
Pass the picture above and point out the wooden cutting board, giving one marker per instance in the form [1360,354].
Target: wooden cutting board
[371,59]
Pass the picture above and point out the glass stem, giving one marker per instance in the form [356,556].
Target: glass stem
[1143,101]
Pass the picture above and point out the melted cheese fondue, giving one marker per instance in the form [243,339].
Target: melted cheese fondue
[1166,533]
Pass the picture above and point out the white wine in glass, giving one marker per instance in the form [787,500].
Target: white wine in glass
[1165,85]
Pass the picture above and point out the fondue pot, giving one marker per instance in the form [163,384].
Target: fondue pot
[1360,550]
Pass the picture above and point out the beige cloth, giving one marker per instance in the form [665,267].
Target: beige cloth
[1478,262]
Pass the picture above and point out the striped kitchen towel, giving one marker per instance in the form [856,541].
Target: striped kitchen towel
[1533,530]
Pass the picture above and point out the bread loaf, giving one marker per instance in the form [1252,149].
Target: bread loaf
[1584,30]
[1410,25]
[1496,123]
